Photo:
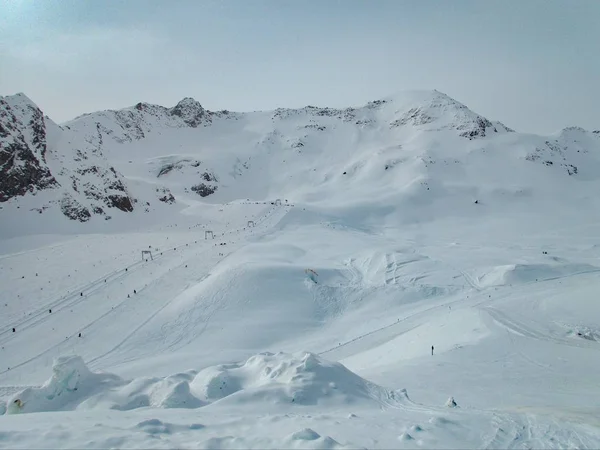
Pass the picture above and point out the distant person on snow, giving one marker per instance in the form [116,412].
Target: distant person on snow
[432,350]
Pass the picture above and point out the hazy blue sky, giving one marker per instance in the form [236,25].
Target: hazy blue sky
[535,65]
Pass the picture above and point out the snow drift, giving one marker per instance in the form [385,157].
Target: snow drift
[528,273]
[302,378]
[284,379]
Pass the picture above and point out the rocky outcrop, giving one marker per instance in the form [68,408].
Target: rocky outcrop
[569,152]
[73,209]
[85,182]
[435,111]
[203,189]
[191,112]
[141,120]
[414,116]
[169,165]
[23,166]
[208,186]
[165,195]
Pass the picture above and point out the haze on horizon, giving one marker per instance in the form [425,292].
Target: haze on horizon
[532,65]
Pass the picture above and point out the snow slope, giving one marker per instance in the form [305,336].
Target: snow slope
[407,223]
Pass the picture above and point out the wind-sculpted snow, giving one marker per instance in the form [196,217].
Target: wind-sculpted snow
[303,379]
[266,378]
[529,273]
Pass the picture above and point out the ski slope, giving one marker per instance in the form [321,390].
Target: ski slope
[314,327]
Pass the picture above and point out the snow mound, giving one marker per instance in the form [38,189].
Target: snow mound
[303,439]
[308,438]
[305,434]
[73,386]
[528,273]
[303,379]
[70,384]
[405,437]
[170,392]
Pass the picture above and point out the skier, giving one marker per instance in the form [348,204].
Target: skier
[432,350]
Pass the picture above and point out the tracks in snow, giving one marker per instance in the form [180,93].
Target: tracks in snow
[518,327]
[69,300]
[92,289]
[518,430]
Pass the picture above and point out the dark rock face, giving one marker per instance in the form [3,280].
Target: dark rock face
[204,190]
[86,188]
[207,176]
[414,116]
[476,128]
[192,113]
[73,209]
[122,202]
[21,172]
[168,198]
[22,151]
[165,195]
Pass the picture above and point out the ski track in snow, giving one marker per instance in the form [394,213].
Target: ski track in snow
[61,304]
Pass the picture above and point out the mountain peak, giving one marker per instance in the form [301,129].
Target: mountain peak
[19,101]
[190,110]
[435,110]
[189,101]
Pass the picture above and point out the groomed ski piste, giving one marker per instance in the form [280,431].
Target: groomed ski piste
[341,316]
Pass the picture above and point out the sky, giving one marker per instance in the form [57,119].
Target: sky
[533,65]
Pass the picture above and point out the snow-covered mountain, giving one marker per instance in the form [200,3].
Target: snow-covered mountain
[428,279]
[412,150]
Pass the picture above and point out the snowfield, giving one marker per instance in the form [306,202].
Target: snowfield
[412,275]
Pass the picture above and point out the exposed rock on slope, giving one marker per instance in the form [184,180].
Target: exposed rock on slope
[137,122]
[569,152]
[23,166]
[37,155]
[414,148]
[442,112]
[191,112]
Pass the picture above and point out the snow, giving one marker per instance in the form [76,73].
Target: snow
[280,379]
[314,327]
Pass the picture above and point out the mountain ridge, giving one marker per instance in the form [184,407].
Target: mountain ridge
[150,158]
